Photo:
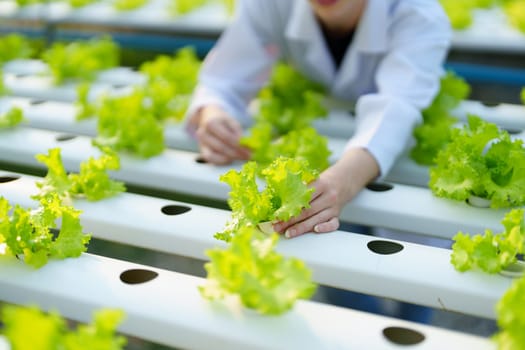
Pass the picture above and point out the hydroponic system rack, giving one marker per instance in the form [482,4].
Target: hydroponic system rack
[164,306]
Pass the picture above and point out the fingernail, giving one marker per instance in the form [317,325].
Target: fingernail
[289,233]
[316,228]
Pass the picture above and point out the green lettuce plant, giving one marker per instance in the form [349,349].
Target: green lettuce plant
[481,160]
[252,270]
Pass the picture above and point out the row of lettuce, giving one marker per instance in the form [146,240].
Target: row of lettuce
[174,7]
[476,158]
[464,159]
[461,13]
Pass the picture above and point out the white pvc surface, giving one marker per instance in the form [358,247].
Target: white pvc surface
[416,209]
[169,310]
[418,273]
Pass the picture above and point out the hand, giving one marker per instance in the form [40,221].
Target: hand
[335,187]
[218,135]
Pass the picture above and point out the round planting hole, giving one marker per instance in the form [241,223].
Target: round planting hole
[379,187]
[22,75]
[384,247]
[175,209]
[6,179]
[513,131]
[119,86]
[200,160]
[490,103]
[65,137]
[37,102]
[137,276]
[403,336]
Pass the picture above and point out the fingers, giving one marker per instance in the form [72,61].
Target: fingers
[213,144]
[218,136]
[322,222]
[321,199]
[321,217]
[328,226]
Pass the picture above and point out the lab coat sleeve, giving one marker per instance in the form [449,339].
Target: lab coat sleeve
[239,64]
[407,80]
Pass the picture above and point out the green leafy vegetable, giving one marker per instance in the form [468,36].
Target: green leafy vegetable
[3,89]
[81,60]
[49,331]
[81,3]
[491,252]
[250,268]
[285,194]
[288,105]
[435,131]
[515,11]
[460,12]
[15,46]
[305,143]
[27,2]
[182,7]
[483,161]
[85,108]
[92,182]
[126,123]
[127,5]
[230,6]
[511,317]
[28,232]
[290,101]
[171,81]
[11,118]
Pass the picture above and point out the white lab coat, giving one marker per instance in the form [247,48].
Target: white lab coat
[391,69]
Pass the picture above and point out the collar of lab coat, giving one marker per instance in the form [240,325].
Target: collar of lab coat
[370,36]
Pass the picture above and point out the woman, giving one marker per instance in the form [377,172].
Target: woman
[386,55]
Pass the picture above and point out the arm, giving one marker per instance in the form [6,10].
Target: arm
[407,80]
[231,75]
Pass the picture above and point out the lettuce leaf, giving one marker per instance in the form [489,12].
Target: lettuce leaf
[29,232]
[11,118]
[491,252]
[250,268]
[92,182]
[435,131]
[511,317]
[49,331]
[277,192]
[81,59]
[481,160]
[126,124]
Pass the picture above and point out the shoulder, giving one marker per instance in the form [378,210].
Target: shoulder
[267,7]
[266,17]
[426,10]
